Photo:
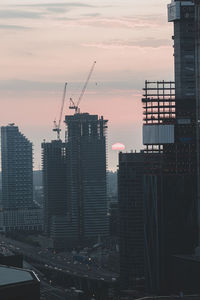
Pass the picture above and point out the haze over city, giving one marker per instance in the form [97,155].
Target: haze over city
[44,44]
[100,150]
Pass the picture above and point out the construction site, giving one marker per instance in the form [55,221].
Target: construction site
[81,216]
[170,181]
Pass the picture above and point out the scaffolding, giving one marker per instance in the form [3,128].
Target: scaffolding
[159,102]
[159,107]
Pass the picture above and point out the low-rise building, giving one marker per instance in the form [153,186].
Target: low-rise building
[18,284]
[21,220]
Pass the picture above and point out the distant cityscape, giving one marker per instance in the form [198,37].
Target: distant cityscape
[74,230]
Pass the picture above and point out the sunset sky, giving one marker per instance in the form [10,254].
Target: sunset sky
[45,43]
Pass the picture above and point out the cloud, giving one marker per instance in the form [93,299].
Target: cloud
[91,15]
[134,22]
[15,14]
[17,85]
[59,4]
[40,10]
[15,27]
[58,9]
[36,11]
[25,85]
[120,44]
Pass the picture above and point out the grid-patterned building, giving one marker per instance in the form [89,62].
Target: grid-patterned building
[55,189]
[86,161]
[21,220]
[170,191]
[131,233]
[169,188]
[17,174]
[182,14]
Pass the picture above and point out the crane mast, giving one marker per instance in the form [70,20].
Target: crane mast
[57,125]
[72,103]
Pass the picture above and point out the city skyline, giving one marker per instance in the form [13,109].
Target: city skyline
[47,43]
[130,73]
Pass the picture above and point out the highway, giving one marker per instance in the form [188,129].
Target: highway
[63,262]
[48,292]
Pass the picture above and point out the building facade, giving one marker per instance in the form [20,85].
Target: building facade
[86,161]
[17,169]
[131,233]
[30,219]
[18,212]
[17,283]
[170,190]
[55,189]
[182,14]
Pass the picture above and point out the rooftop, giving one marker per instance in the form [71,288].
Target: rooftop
[10,275]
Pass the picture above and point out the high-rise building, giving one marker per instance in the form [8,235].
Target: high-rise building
[19,212]
[17,164]
[170,191]
[181,13]
[55,190]
[86,163]
[131,233]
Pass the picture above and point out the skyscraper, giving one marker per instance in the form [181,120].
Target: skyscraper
[170,192]
[19,212]
[181,13]
[86,163]
[17,164]
[130,196]
[55,190]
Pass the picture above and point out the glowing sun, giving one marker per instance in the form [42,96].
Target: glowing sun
[118,146]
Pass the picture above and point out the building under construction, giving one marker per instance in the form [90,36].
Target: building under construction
[55,191]
[75,186]
[86,164]
[170,187]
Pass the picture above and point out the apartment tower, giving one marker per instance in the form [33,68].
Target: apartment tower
[55,191]
[86,164]
[17,169]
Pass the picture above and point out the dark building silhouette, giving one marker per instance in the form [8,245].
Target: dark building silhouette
[130,195]
[169,173]
[170,190]
[12,260]
[18,284]
[86,163]
[55,190]
[19,212]
[17,164]
[182,14]
[114,218]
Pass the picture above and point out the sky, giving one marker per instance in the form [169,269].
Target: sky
[45,43]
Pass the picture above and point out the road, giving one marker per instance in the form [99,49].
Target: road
[62,262]
[48,292]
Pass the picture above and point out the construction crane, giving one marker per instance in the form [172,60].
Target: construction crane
[57,125]
[72,103]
